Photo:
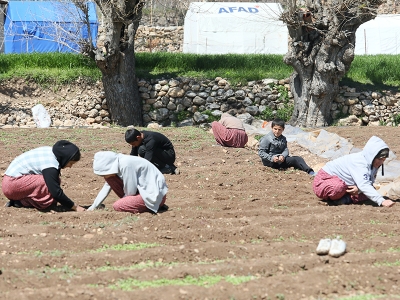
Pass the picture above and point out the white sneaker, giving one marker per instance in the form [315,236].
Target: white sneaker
[338,248]
[324,246]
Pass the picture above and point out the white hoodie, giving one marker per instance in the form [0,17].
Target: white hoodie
[137,174]
[356,169]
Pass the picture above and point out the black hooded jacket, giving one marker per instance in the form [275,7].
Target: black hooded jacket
[64,151]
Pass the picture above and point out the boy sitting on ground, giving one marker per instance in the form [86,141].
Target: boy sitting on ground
[274,152]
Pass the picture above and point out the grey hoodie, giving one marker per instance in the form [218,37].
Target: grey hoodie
[356,169]
[137,174]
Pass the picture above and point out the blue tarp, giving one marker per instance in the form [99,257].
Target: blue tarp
[46,26]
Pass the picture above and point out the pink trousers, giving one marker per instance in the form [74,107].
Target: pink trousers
[133,204]
[30,190]
[229,137]
[331,187]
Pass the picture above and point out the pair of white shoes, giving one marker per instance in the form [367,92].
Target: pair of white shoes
[335,247]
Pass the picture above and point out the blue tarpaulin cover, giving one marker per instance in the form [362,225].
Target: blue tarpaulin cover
[46,26]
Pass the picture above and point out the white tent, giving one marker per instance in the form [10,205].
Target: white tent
[379,36]
[234,27]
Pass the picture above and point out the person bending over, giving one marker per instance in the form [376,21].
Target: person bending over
[229,131]
[153,146]
[139,185]
[349,179]
[274,152]
[33,178]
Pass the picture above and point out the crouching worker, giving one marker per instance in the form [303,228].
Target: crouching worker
[140,186]
[33,178]
[349,179]
[153,146]
[229,131]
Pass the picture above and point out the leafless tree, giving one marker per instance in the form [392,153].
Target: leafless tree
[116,60]
[321,50]
[86,45]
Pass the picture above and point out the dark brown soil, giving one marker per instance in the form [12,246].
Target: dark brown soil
[252,230]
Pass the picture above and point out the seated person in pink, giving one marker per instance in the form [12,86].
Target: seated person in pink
[229,131]
[349,179]
[140,186]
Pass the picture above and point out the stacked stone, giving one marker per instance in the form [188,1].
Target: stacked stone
[165,101]
[162,18]
[80,105]
[366,108]
[159,39]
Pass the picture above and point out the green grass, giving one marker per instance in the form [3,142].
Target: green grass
[387,264]
[205,281]
[126,247]
[144,265]
[235,67]
[45,68]
[378,70]
[369,297]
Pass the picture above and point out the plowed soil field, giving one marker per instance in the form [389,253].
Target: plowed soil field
[234,229]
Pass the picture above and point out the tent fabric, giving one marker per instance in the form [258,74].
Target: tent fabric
[254,28]
[379,36]
[46,26]
[234,27]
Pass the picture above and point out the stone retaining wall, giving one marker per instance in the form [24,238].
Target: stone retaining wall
[366,108]
[164,101]
[159,39]
[185,101]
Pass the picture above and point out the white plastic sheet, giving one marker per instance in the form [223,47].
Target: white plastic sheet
[331,146]
[319,142]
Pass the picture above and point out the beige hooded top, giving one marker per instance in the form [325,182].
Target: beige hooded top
[231,122]
[137,174]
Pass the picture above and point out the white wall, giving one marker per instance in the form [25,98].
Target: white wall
[254,28]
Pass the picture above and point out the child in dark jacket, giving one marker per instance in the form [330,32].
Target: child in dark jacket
[274,152]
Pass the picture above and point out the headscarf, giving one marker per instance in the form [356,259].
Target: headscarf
[64,151]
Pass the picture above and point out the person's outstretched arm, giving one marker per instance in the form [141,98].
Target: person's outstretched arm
[365,185]
[101,196]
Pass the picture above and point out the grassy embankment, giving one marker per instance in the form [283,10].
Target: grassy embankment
[379,71]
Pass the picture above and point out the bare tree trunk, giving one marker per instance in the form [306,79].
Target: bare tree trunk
[116,60]
[321,51]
